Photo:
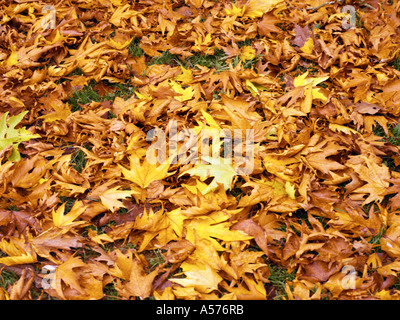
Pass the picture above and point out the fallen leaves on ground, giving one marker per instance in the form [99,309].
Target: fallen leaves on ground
[87,213]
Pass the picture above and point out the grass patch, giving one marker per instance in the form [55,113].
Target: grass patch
[7,278]
[78,161]
[246,42]
[376,240]
[122,90]
[279,276]
[110,293]
[396,64]
[237,192]
[69,203]
[165,58]
[134,48]
[77,72]
[155,258]
[84,96]
[311,68]
[246,64]
[216,61]
[393,137]
[86,253]
[88,94]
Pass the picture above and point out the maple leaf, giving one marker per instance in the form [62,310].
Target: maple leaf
[303,39]
[248,53]
[19,220]
[65,273]
[139,284]
[302,80]
[222,172]
[377,178]
[176,219]
[123,265]
[268,23]
[145,173]
[110,198]
[214,227]
[203,280]
[67,220]
[20,289]
[256,8]
[308,46]
[185,77]
[99,238]
[235,11]
[250,289]
[61,112]
[49,244]
[211,126]
[310,92]
[184,94]
[17,254]
[119,44]
[251,228]
[318,158]
[12,58]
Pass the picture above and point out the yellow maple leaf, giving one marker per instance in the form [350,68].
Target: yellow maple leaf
[185,77]
[209,229]
[139,283]
[308,46]
[248,53]
[200,186]
[254,88]
[338,128]
[155,224]
[202,41]
[145,173]
[62,112]
[210,120]
[222,172]
[310,93]
[256,8]
[99,238]
[176,218]
[119,45]
[65,275]
[61,220]
[302,80]
[306,104]
[376,175]
[17,255]
[110,198]
[123,265]
[203,280]
[13,58]
[290,190]
[235,11]
[253,289]
[185,93]
[166,294]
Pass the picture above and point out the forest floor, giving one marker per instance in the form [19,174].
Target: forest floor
[199,149]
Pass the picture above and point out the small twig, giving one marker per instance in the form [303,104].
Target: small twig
[368,6]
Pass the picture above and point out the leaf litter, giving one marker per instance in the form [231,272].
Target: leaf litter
[85,214]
